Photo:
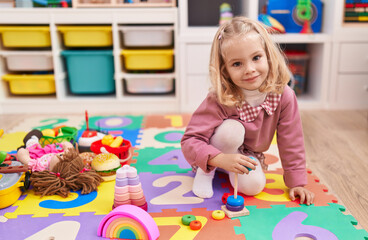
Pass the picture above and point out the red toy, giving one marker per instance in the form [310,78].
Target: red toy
[123,152]
[87,133]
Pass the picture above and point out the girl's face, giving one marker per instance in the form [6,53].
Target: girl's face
[246,61]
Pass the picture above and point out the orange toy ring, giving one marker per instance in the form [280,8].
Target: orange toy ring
[195,225]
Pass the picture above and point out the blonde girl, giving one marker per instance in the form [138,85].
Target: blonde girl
[249,101]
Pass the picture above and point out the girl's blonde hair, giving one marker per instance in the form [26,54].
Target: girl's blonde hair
[227,92]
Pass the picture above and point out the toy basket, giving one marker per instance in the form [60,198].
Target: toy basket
[69,134]
[122,152]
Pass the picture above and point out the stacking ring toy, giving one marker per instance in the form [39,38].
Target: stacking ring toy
[234,208]
[249,169]
[224,197]
[218,214]
[238,201]
[195,225]
[187,219]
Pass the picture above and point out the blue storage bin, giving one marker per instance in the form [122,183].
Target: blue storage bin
[90,71]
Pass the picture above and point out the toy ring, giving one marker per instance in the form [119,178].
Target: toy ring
[187,219]
[234,208]
[224,197]
[218,214]
[195,225]
[232,201]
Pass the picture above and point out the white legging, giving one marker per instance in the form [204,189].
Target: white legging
[228,137]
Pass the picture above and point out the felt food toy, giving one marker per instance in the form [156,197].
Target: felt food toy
[48,132]
[3,156]
[107,140]
[84,143]
[106,164]
[87,158]
[117,142]
[58,129]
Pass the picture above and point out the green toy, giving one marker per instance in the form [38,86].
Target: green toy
[3,156]
[304,13]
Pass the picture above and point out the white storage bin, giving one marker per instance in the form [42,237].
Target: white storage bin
[149,83]
[28,60]
[147,36]
[6,4]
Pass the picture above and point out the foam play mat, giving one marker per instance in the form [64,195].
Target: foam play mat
[166,180]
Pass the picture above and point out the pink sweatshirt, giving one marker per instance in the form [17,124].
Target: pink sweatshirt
[258,135]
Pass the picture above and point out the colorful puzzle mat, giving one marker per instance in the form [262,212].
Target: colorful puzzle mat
[166,179]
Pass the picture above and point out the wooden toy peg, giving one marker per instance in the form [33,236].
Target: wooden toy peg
[236,186]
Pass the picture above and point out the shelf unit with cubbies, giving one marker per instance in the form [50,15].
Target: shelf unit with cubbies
[349,62]
[65,100]
[122,3]
[196,38]
[27,61]
[147,59]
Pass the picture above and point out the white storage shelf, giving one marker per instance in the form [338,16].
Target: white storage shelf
[324,49]
[63,100]
[196,44]
[351,72]
[122,3]
[330,78]
[147,49]
[349,64]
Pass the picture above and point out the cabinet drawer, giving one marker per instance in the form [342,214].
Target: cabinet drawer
[352,91]
[353,57]
[198,58]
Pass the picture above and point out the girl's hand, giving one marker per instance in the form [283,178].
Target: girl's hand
[236,163]
[303,193]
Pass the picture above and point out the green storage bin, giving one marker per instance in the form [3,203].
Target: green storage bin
[90,71]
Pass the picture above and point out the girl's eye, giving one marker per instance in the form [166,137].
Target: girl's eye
[256,58]
[236,64]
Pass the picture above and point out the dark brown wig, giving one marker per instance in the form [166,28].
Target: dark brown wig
[68,174]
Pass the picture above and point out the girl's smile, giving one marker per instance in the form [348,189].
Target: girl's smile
[251,79]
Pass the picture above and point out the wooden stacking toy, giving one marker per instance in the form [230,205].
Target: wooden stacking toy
[128,189]
[235,204]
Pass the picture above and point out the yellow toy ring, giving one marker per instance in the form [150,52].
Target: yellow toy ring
[218,214]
